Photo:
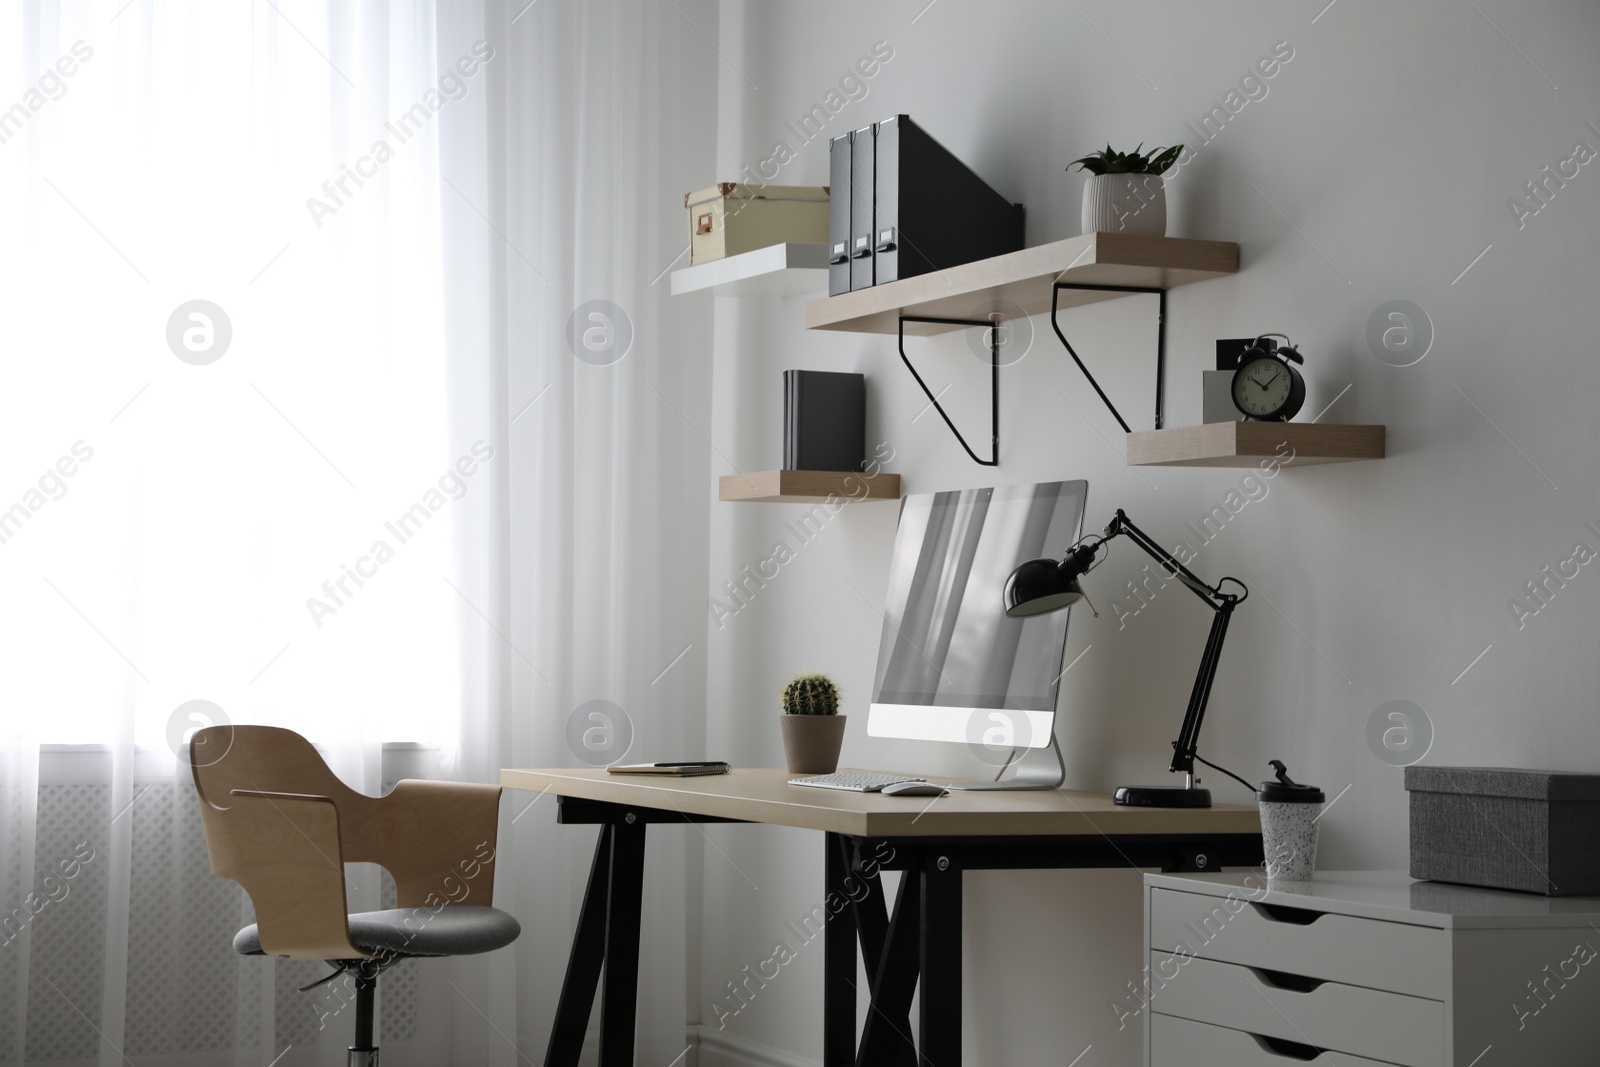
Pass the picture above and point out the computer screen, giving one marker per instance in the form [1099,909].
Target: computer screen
[951,665]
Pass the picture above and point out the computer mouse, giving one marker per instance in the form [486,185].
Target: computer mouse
[914,789]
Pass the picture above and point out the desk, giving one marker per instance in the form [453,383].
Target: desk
[931,840]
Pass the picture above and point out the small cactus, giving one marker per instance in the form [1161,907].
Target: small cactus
[810,694]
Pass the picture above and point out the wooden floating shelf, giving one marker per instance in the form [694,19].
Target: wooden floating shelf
[808,487]
[1025,279]
[1245,444]
[777,270]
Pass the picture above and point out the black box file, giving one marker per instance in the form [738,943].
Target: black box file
[862,184]
[928,210]
[839,195]
[824,421]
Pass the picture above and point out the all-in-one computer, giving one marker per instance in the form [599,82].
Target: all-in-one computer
[951,665]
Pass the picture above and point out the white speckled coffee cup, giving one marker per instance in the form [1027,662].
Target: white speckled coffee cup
[1289,812]
[1289,838]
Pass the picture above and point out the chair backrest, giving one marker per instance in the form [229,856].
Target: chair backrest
[437,839]
[285,850]
[266,758]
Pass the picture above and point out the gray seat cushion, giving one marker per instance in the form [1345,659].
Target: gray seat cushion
[453,930]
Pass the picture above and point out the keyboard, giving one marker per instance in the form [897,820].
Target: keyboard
[854,781]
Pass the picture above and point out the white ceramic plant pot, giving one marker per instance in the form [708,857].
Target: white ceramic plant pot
[1125,203]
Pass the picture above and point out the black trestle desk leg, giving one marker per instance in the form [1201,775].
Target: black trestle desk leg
[839,958]
[583,964]
[939,1038]
[872,923]
[620,995]
[886,1034]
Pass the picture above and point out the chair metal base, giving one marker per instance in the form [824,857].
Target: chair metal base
[364,1053]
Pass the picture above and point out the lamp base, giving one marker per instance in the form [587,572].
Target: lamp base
[1162,796]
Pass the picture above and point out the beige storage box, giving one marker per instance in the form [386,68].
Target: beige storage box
[730,218]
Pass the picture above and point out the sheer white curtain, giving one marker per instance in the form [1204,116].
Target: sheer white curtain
[293,426]
[562,200]
[228,475]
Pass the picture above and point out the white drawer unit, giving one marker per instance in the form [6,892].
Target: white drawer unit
[1365,967]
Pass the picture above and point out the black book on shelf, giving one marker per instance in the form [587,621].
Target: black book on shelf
[824,421]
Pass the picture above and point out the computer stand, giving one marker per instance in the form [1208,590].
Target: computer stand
[1036,768]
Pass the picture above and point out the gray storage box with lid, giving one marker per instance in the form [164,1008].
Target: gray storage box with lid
[1506,828]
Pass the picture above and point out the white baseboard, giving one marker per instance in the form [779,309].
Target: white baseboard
[718,1048]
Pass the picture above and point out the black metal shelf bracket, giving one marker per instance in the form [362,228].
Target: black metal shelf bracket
[1161,344]
[994,383]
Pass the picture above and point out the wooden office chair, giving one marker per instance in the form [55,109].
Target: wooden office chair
[282,825]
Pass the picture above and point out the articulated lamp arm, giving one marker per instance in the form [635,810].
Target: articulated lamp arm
[1184,748]
[1041,586]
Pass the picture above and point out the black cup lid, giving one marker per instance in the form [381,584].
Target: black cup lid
[1288,791]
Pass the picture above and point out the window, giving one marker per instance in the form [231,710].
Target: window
[227,472]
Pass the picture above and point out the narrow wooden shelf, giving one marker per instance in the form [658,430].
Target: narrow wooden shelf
[808,487]
[777,270]
[1245,444]
[1025,279]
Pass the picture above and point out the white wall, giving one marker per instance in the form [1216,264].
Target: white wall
[1382,158]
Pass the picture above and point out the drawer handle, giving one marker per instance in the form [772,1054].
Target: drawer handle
[1289,1050]
[1282,913]
[1294,983]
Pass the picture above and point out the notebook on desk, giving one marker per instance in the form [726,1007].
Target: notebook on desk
[681,769]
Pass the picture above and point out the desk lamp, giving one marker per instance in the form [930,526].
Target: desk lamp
[1041,586]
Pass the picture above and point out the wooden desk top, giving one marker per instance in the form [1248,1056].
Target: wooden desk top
[763,795]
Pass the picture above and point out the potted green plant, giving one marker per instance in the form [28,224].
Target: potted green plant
[813,729]
[1124,192]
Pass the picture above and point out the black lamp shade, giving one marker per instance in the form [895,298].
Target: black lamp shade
[1039,587]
